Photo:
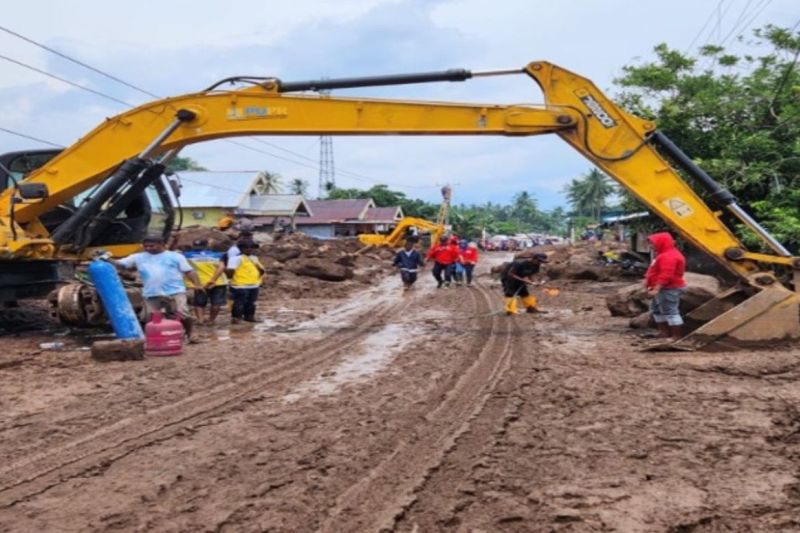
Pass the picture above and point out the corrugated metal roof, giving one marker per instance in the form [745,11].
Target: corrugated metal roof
[386,215]
[276,205]
[330,211]
[216,189]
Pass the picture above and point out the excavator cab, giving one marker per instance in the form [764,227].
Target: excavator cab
[147,211]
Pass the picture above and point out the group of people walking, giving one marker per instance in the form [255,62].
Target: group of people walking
[454,261]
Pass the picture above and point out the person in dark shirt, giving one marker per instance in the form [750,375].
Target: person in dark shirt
[408,260]
[516,277]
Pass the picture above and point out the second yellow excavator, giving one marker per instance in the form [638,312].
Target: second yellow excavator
[413,226]
[108,188]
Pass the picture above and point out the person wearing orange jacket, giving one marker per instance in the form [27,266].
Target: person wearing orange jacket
[444,256]
[469,258]
[665,284]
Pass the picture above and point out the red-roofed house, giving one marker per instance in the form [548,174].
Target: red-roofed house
[347,218]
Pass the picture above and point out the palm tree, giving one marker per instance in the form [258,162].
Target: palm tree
[298,186]
[588,194]
[271,182]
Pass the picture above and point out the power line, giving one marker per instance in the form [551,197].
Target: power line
[63,80]
[32,138]
[757,10]
[705,24]
[77,62]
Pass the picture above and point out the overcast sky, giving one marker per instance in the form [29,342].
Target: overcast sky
[177,46]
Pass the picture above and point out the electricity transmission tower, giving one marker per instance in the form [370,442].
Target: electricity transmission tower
[327,172]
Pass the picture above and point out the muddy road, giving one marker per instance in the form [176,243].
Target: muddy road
[423,411]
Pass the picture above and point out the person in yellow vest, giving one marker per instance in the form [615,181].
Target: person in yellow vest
[246,274]
[210,268]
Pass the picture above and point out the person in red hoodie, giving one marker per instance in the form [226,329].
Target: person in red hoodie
[444,256]
[665,284]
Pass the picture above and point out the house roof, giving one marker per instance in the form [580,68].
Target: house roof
[276,205]
[385,215]
[216,189]
[330,211]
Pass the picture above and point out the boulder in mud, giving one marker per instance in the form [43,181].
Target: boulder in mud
[347,260]
[642,321]
[632,300]
[281,254]
[323,270]
[118,350]
[217,240]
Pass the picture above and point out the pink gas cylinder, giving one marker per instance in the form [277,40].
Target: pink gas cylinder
[163,336]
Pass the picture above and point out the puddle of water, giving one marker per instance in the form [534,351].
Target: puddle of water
[376,352]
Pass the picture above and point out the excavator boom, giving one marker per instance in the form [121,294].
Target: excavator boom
[629,149]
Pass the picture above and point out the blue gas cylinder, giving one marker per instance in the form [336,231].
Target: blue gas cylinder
[115,302]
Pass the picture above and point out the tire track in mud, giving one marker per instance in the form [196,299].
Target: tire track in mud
[388,489]
[52,467]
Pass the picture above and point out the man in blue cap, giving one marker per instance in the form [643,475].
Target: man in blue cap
[516,276]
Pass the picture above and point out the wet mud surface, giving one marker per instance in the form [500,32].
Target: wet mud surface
[424,411]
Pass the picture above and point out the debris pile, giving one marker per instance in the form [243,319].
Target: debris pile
[583,261]
[301,266]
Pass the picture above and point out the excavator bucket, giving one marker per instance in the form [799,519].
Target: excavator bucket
[734,319]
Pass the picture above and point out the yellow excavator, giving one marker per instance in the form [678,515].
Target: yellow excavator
[410,225]
[108,188]
[397,236]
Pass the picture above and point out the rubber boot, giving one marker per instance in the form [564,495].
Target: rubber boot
[676,332]
[530,304]
[511,305]
[663,330]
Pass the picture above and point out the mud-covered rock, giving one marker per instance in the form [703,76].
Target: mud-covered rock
[281,254]
[642,321]
[118,350]
[632,300]
[217,240]
[348,260]
[316,268]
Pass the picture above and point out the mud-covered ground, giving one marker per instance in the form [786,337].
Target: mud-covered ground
[418,412]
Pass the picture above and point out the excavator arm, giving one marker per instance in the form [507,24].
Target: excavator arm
[629,149]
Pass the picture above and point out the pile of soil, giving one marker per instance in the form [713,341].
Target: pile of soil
[218,241]
[576,262]
[300,266]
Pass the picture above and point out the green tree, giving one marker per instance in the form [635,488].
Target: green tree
[179,164]
[524,210]
[738,117]
[588,194]
[298,186]
[272,182]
